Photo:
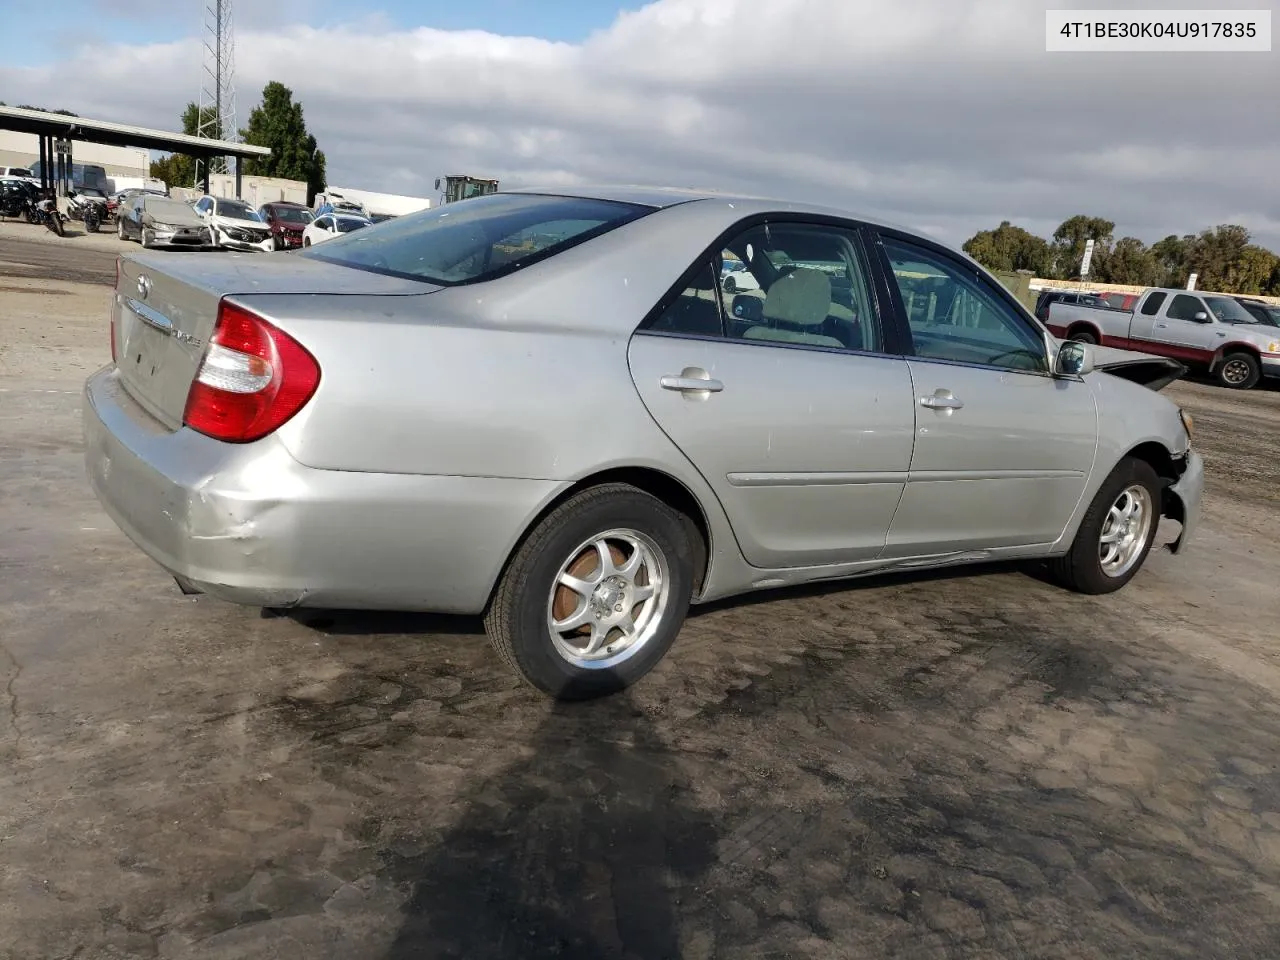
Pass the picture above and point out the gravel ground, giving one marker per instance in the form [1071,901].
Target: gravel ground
[970,765]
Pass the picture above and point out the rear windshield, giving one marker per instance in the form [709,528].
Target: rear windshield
[476,239]
[347,224]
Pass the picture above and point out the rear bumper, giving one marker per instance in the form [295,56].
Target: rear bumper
[1182,500]
[249,524]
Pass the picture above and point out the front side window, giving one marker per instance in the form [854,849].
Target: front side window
[954,316]
[477,239]
[1185,307]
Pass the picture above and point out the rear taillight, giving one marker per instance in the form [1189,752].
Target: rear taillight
[253,378]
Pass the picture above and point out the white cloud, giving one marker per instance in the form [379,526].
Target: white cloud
[928,112]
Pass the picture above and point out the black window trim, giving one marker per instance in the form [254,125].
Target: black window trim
[998,291]
[890,335]
[1159,297]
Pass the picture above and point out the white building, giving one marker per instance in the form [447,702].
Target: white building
[23,150]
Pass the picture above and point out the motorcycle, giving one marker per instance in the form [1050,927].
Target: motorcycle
[89,211]
[46,212]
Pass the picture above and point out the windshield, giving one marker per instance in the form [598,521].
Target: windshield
[236,209]
[291,214]
[477,239]
[1263,313]
[1228,311]
[166,209]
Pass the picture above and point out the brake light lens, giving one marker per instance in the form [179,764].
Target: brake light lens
[254,377]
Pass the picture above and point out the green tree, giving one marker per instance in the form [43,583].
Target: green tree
[1129,261]
[1252,270]
[1069,242]
[1009,248]
[1215,254]
[1173,255]
[278,123]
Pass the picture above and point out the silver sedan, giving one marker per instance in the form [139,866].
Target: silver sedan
[545,408]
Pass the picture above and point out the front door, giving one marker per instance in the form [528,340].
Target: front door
[1003,450]
[1185,337]
[803,428]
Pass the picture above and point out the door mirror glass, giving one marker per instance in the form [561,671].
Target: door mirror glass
[1074,359]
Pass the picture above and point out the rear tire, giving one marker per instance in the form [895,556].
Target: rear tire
[1114,538]
[632,608]
[1238,371]
[1083,336]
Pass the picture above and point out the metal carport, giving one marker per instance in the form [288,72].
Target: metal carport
[51,127]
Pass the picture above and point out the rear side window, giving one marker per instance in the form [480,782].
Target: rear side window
[477,239]
[1152,305]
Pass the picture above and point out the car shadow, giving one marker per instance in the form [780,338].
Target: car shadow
[363,623]
[580,850]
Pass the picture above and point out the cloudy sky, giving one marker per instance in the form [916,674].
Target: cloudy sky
[947,115]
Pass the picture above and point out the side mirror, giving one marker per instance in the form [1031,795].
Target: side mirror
[1201,317]
[1074,359]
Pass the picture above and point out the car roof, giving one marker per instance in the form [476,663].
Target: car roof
[659,197]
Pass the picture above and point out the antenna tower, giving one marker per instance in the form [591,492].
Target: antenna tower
[217,119]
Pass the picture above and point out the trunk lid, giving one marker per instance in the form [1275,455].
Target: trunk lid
[166,306]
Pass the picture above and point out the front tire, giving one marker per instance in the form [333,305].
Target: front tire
[1238,371]
[1116,534]
[595,595]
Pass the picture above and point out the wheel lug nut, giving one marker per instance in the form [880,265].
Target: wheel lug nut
[618,608]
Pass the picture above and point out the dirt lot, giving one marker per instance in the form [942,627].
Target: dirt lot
[969,766]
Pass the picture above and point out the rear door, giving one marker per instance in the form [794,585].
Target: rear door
[1002,449]
[785,399]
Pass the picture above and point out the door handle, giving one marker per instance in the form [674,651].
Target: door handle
[689,383]
[942,400]
[1162,326]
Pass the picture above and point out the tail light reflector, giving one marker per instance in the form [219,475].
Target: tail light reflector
[253,378]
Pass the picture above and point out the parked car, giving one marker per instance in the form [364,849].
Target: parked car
[307,430]
[1211,332]
[287,221]
[235,224]
[1261,310]
[1048,297]
[1120,301]
[18,197]
[329,225]
[739,278]
[156,221]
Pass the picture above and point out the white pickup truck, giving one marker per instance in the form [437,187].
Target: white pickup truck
[1205,331]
